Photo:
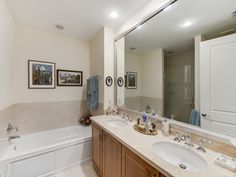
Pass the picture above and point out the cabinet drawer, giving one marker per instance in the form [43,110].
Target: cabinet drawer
[33,167]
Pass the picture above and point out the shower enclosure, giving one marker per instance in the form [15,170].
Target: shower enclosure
[179,85]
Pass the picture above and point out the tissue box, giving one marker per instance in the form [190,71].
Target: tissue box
[226,162]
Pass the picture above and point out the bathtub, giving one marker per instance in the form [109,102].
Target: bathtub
[46,153]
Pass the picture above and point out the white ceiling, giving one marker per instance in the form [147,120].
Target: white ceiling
[82,19]
[166,31]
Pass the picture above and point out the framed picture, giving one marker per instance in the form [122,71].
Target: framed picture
[41,75]
[131,80]
[69,78]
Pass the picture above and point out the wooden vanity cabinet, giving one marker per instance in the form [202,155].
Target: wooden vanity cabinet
[111,156]
[112,159]
[106,153]
[97,136]
[134,166]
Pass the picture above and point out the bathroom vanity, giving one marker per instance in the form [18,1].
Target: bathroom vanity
[112,158]
[120,151]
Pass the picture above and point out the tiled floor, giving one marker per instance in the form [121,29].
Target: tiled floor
[82,170]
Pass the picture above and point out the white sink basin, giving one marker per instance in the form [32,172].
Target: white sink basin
[180,156]
[117,123]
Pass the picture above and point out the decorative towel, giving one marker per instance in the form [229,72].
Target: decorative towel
[92,93]
[195,118]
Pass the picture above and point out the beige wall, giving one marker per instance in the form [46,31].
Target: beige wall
[149,68]
[133,63]
[102,64]
[97,61]
[36,110]
[197,40]
[6,57]
[120,70]
[109,66]
[67,53]
[152,74]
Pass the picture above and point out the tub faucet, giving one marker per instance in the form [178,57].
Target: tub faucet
[10,127]
[13,137]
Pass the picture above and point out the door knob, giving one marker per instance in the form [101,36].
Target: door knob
[204,115]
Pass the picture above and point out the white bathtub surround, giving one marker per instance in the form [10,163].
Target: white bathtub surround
[83,170]
[48,152]
[142,145]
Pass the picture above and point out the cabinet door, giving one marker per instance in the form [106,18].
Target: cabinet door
[218,105]
[111,157]
[134,166]
[97,148]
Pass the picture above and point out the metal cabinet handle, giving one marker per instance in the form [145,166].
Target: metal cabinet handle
[204,115]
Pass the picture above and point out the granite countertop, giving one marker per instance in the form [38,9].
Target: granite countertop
[142,146]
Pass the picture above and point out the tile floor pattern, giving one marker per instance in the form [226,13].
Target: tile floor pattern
[82,170]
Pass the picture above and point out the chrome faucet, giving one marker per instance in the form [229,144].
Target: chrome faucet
[200,146]
[10,127]
[188,141]
[177,137]
[125,117]
[13,137]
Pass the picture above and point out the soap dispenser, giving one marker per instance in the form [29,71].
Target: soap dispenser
[166,127]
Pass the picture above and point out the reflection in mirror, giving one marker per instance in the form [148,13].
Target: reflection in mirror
[169,63]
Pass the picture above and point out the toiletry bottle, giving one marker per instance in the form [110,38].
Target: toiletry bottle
[166,127]
[153,113]
[144,117]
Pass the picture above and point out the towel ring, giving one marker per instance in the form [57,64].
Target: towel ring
[109,81]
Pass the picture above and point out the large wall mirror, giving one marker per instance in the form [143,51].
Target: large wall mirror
[181,64]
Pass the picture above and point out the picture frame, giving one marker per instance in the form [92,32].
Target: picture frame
[41,74]
[70,78]
[131,80]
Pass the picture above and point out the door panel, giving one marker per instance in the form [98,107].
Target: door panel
[218,61]
[112,157]
[134,166]
[97,149]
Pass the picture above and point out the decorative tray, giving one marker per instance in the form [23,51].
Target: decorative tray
[142,130]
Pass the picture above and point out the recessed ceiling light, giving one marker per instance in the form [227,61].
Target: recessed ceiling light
[167,8]
[114,14]
[187,24]
[59,27]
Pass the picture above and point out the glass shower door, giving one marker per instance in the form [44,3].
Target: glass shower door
[179,86]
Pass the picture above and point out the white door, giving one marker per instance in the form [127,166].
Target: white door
[218,84]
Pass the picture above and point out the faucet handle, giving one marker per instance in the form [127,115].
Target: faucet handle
[177,138]
[11,127]
[188,140]
[183,138]
[200,145]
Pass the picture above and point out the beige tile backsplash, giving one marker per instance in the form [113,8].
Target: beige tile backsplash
[37,117]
